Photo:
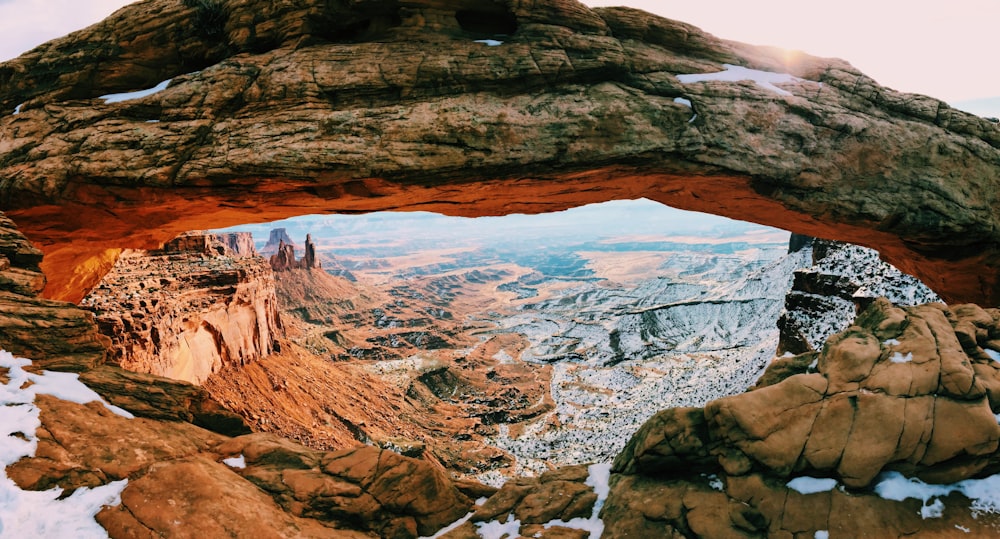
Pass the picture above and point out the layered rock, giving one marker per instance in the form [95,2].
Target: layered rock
[385,105]
[57,334]
[190,309]
[284,257]
[843,280]
[275,239]
[911,390]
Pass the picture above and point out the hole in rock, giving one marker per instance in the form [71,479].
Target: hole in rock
[360,30]
[487,22]
[497,346]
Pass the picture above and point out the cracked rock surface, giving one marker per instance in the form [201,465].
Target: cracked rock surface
[912,390]
[275,110]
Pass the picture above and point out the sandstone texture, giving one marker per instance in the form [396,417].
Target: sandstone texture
[173,453]
[843,280]
[57,334]
[190,309]
[284,257]
[280,109]
[911,390]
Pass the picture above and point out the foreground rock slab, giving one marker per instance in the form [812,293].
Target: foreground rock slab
[910,390]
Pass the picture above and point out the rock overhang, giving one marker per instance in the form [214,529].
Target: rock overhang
[312,107]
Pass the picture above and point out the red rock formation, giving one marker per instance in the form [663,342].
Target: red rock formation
[284,257]
[55,333]
[911,390]
[274,241]
[381,105]
[190,309]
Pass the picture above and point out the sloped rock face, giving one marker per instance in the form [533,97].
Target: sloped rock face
[364,488]
[58,334]
[909,390]
[284,257]
[843,280]
[189,310]
[393,105]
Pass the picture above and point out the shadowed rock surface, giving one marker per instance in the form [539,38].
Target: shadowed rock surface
[282,109]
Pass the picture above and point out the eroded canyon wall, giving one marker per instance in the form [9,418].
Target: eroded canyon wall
[202,303]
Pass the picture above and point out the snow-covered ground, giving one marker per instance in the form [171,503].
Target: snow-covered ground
[875,278]
[701,336]
[44,513]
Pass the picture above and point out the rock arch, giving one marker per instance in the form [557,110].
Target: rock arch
[578,105]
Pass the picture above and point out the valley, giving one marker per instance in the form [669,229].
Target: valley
[538,341]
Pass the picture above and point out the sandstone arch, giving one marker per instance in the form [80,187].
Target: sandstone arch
[318,106]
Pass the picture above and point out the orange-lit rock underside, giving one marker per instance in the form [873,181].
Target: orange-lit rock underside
[81,241]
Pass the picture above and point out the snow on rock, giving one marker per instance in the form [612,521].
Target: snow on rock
[686,345]
[890,342]
[984,493]
[17,109]
[734,73]
[811,485]
[682,101]
[900,358]
[499,530]
[489,42]
[239,462]
[866,274]
[43,513]
[821,534]
[993,354]
[128,96]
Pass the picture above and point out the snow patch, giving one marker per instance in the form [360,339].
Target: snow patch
[239,462]
[42,513]
[962,528]
[67,386]
[499,530]
[17,109]
[489,42]
[734,73]
[811,485]
[821,534]
[812,366]
[984,493]
[715,483]
[900,358]
[682,101]
[128,96]
[993,354]
[890,342]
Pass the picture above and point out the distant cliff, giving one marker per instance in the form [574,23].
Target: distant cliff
[843,280]
[203,302]
[284,257]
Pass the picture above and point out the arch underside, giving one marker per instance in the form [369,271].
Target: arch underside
[81,239]
[276,110]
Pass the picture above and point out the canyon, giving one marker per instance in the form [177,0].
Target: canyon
[274,110]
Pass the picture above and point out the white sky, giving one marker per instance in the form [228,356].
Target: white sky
[944,49]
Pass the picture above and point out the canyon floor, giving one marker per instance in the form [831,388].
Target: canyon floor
[513,348]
